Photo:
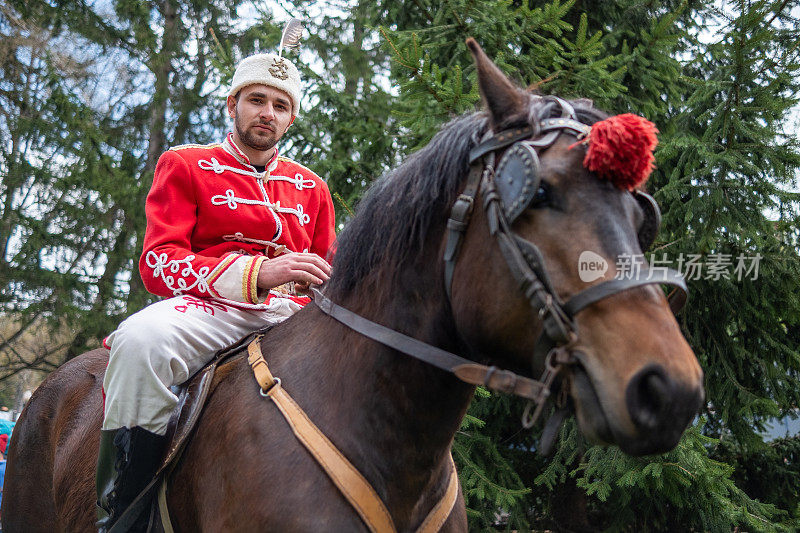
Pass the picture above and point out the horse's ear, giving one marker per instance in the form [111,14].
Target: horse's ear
[501,97]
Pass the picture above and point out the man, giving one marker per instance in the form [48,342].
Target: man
[227,224]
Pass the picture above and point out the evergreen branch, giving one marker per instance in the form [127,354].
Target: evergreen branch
[220,49]
[417,72]
[424,11]
[668,244]
[344,203]
[459,22]
[290,12]
[477,472]
[682,468]
[396,51]
[537,85]
[777,12]
[786,54]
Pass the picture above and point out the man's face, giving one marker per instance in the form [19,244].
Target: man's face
[261,115]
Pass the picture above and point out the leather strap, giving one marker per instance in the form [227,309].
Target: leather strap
[458,222]
[550,431]
[441,511]
[608,288]
[500,380]
[466,370]
[525,264]
[517,134]
[432,355]
[499,141]
[344,475]
[163,508]
[580,129]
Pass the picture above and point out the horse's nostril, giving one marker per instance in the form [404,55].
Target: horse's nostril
[648,397]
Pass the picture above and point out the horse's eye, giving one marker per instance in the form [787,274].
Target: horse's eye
[542,196]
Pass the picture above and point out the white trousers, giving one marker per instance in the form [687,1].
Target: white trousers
[163,345]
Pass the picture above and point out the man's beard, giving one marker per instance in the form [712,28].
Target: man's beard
[251,139]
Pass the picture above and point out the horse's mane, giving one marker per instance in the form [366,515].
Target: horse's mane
[394,218]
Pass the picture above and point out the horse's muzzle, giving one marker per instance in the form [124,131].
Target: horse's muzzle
[660,408]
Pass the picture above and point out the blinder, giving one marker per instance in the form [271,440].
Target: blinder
[652,219]
[517,178]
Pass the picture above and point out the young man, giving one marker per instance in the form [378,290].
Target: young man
[227,224]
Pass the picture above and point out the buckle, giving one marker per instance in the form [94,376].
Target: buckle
[269,391]
[462,208]
[547,308]
[468,199]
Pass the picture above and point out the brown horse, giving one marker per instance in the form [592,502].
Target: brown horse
[636,382]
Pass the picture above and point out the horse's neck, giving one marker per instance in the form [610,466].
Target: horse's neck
[392,415]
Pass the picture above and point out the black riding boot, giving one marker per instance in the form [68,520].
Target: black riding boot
[127,461]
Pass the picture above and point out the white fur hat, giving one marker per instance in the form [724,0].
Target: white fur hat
[268,69]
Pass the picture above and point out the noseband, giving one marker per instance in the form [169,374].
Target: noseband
[506,191]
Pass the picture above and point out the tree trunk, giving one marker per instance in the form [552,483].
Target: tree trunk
[162,67]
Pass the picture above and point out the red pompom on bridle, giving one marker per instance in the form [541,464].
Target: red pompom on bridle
[621,150]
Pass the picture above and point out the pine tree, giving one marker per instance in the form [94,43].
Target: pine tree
[647,59]
[147,64]
[733,164]
[55,187]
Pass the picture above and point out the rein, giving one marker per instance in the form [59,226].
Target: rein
[464,369]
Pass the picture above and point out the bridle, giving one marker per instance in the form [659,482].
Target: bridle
[506,191]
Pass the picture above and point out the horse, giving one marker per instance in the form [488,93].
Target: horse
[634,380]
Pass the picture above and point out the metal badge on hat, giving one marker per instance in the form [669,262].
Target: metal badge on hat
[279,68]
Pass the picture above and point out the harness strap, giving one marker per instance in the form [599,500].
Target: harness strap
[163,508]
[458,222]
[344,475]
[645,276]
[500,140]
[441,511]
[580,129]
[511,136]
[464,369]
[524,260]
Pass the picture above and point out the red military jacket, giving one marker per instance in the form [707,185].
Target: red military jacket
[212,220]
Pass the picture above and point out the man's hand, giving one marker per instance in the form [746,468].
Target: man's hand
[302,268]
